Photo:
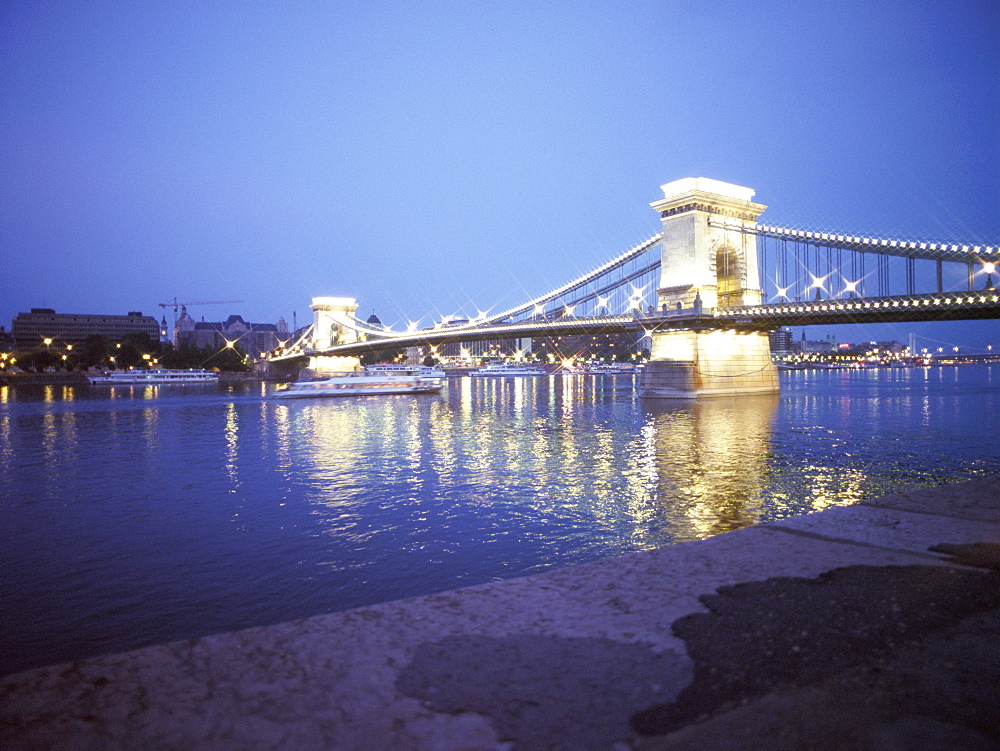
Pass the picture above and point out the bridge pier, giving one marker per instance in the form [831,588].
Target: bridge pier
[699,363]
[708,262]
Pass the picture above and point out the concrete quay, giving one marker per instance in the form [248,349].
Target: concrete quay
[873,626]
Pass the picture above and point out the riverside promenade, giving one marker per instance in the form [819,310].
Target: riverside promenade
[875,626]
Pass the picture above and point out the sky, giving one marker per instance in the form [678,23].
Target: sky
[444,158]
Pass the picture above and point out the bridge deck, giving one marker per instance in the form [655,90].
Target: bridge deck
[940,306]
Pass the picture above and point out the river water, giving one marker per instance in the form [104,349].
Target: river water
[137,515]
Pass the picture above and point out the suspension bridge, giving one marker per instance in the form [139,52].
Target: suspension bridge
[707,289]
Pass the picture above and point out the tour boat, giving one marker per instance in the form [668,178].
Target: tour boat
[508,369]
[152,376]
[360,384]
[614,368]
[425,371]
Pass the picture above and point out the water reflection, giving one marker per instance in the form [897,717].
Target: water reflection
[507,459]
[709,460]
[141,515]
[232,445]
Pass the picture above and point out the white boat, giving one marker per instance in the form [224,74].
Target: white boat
[152,376]
[508,369]
[425,371]
[360,384]
[614,368]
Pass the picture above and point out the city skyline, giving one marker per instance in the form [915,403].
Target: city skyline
[441,159]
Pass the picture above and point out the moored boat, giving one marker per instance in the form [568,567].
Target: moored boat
[360,384]
[614,368]
[425,371]
[152,376]
[507,369]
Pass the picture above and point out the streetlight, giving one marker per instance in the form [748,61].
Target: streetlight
[989,269]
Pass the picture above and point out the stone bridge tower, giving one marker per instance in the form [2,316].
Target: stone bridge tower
[706,262]
[331,326]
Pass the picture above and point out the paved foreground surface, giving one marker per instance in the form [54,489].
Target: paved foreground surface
[869,626]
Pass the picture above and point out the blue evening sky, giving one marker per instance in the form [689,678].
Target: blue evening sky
[439,158]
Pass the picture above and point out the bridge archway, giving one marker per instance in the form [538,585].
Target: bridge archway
[729,276]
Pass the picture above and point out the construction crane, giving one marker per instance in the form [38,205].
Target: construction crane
[175,305]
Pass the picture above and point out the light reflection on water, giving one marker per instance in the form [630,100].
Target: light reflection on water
[141,514]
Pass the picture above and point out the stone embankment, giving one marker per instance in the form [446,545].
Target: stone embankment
[868,626]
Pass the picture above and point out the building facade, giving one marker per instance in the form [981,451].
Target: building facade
[32,329]
[254,339]
[818,347]
[782,342]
